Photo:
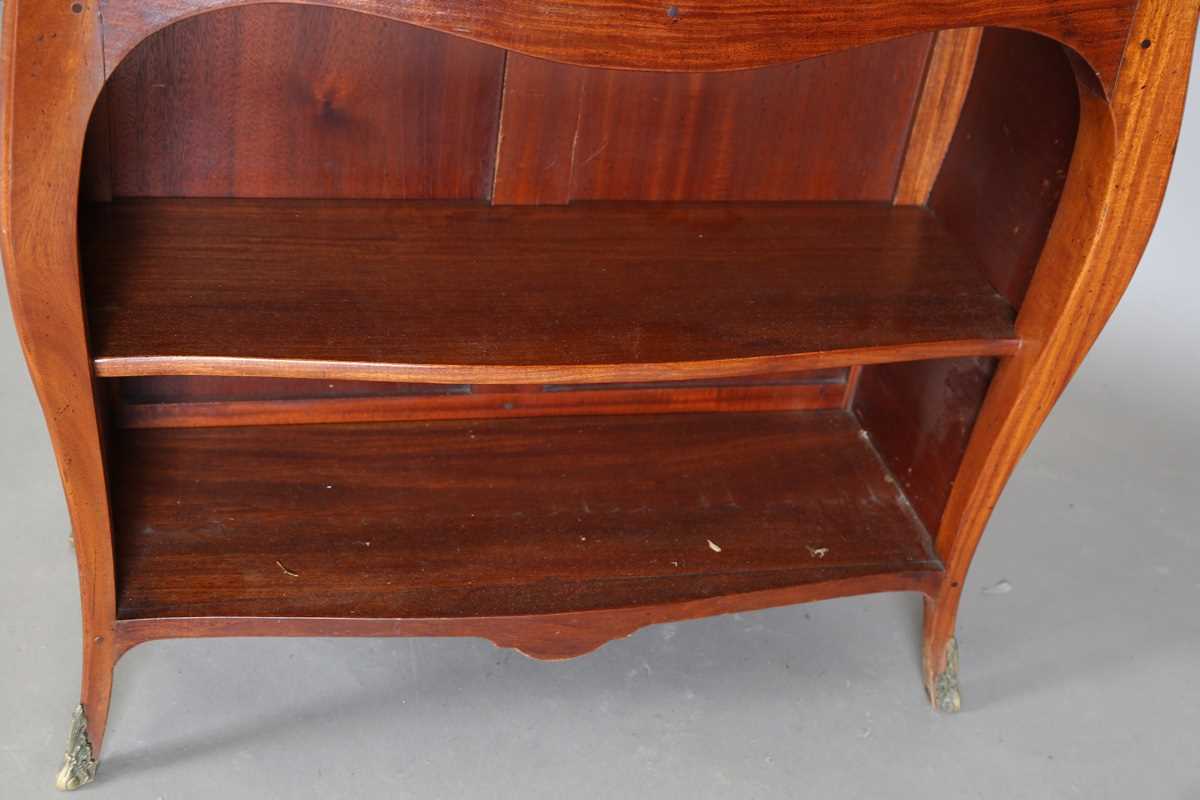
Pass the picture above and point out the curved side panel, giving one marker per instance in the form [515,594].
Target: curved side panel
[690,35]
[52,74]
[1117,178]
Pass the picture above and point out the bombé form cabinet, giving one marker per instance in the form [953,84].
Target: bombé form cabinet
[547,320]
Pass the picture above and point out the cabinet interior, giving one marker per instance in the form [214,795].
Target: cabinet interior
[391,323]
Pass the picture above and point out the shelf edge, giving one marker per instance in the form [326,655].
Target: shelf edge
[232,366]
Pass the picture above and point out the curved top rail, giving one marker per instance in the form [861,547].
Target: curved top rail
[683,35]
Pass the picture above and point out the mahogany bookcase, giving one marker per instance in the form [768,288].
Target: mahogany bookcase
[546,320]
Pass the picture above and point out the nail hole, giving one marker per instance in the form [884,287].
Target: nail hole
[77,8]
[1145,44]
[673,12]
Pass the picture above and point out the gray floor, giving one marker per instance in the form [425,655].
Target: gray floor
[1081,680]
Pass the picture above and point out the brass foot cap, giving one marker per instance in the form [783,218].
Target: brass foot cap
[79,767]
[944,691]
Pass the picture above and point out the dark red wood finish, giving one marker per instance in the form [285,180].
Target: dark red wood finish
[764,134]
[500,518]
[582,294]
[468,293]
[171,401]
[701,35]
[920,416]
[394,111]
[209,389]
[338,105]
[550,637]
[1007,165]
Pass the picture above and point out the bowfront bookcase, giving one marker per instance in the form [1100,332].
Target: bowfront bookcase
[547,320]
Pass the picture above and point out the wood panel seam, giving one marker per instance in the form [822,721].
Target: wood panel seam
[498,149]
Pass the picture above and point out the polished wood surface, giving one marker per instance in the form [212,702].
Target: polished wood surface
[52,68]
[466,293]
[1114,188]
[947,79]
[208,388]
[755,135]
[762,134]
[1048,191]
[482,406]
[157,389]
[701,35]
[920,416]
[374,402]
[1009,156]
[395,111]
[497,518]
[539,125]
[550,637]
[338,105]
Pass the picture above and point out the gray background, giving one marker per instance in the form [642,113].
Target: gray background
[1082,681]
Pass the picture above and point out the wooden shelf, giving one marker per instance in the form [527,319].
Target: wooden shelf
[604,409]
[504,517]
[440,292]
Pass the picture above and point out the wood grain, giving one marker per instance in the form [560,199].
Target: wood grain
[583,293]
[1114,189]
[549,637]
[296,101]
[207,388]
[1002,177]
[947,78]
[920,416]
[341,106]
[500,517]
[159,389]
[701,35]
[51,67]
[1130,83]
[165,401]
[539,128]
[512,404]
[829,129]
[95,184]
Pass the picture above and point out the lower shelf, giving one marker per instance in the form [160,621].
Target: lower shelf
[497,518]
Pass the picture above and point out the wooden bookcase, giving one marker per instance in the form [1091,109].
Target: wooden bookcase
[544,322]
